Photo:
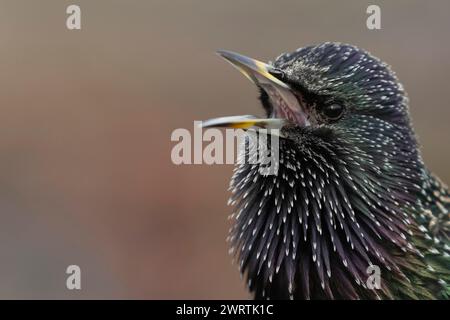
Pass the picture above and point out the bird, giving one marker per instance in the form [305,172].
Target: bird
[351,191]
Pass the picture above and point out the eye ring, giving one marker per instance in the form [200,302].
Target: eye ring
[333,111]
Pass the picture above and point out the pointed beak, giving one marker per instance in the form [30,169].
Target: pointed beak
[258,72]
[243,122]
[285,104]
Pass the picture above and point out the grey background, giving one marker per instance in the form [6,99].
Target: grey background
[86,118]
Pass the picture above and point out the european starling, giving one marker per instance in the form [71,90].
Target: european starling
[351,190]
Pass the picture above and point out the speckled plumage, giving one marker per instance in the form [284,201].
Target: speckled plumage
[348,194]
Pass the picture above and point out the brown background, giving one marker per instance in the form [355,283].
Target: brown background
[86,117]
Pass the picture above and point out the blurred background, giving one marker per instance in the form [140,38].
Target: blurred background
[86,117]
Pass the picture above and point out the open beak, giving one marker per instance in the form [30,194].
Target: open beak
[243,122]
[285,103]
[255,70]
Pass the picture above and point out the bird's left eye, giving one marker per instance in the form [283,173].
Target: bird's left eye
[333,111]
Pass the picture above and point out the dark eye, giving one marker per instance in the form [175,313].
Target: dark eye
[333,111]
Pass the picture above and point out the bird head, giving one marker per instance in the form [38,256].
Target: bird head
[330,87]
[349,166]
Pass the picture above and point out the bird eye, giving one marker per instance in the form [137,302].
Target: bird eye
[333,111]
